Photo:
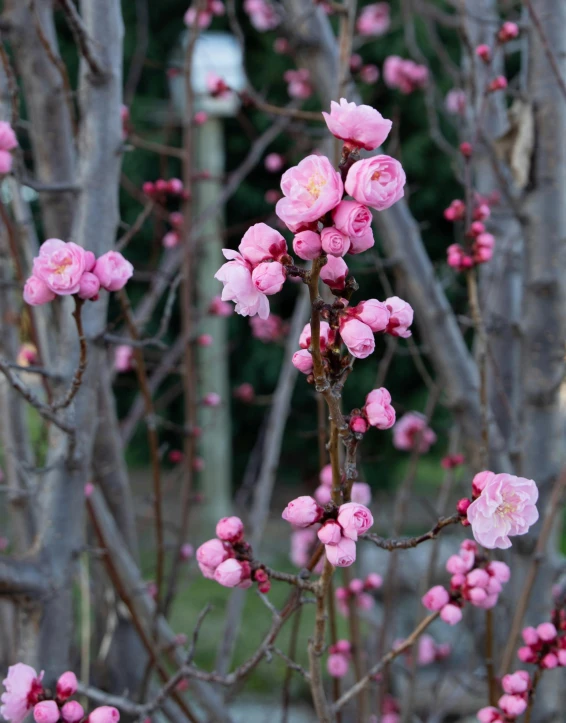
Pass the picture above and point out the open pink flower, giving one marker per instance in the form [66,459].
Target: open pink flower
[113,271]
[311,189]
[236,275]
[36,292]
[334,242]
[505,507]
[374,19]
[378,181]
[343,554]
[359,126]
[334,273]
[378,409]
[400,317]
[23,686]
[262,243]
[60,265]
[302,512]
[355,519]
[358,337]
[412,429]
[352,218]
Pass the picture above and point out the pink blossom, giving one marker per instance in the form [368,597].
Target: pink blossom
[36,292]
[361,493]
[330,533]
[369,74]
[404,75]
[498,83]
[426,652]
[231,573]
[451,614]
[352,218]
[355,519]
[358,337]
[343,554]
[230,529]
[512,705]
[72,712]
[377,181]
[60,265]
[373,581]
[216,85]
[489,715]
[506,507]
[359,126]
[104,714]
[8,140]
[334,273]
[123,358]
[374,313]
[362,243]
[411,430]
[170,240]
[89,286]
[236,275]
[456,210]
[436,598]
[262,243]
[66,685]
[401,317]
[500,571]
[508,31]
[6,161]
[326,336]
[549,661]
[374,19]
[212,553]
[307,245]
[218,307]
[46,712]
[263,15]
[359,424]
[325,476]
[322,494]
[311,189]
[113,271]
[455,101]
[378,409]
[334,242]
[302,512]
[478,578]
[356,586]
[517,682]
[337,665]
[302,360]
[269,277]
[546,632]
[274,162]
[299,83]
[460,564]
[23,686]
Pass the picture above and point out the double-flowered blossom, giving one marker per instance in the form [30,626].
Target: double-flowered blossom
[412,431]
[404,75]
[378,182]
[359,126]
[378,410]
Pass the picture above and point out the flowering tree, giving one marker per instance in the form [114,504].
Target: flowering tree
[69,494]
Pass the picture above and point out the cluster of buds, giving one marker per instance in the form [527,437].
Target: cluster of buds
[228,558]
[413,433]
[512,703]
[480,242]
[545,645]
[340,526]
[298,83]
[474,580]
[339,658]
[24,691]
[161,189]
[360,491]
[358,592]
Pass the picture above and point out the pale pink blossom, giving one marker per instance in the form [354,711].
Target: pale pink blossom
[326,336]
[451,614]
[455,101]
[113,271]
[436,598]
[60,265]
[302,512]
[218,307]
[334,242]
[378,181]
[46,712]
[359,126]
[123,357]
[412,430]
[22,688]
[66,685]
[334,273]
[170,240]
[517,682]
[262,243]
[374,19]
[330,533]
[361,493]
[236,275]
[72,711]
[322,494]
[325,476]
[401,317]
[352,218]
[374,313]
[358,337]
[104,714]
[8,140]
[378,409]
[212,553]
[298,83]
[274,162]
[267,330]
[355,519]
[311,189]
[263,15]
[89,286]
[343,554]
[369,74]
[359,244]
[36,292]
[512,705]
[505,507]
[404,75]
[230,529]
[307,245]
[231,573]
[337,665]
[302,360]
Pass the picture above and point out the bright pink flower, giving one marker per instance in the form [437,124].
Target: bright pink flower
[337,665]
[369,74]
[262,243]
[299,83]
[8,140]
[516,682]
[302,512]
[359,424]
[274,162]
[546,632]
[401,317]
[307,245]
[212,553]
[302,360]
[500,571]
[362,243]
[455,101]
[374,19]
[311,189]
[330,533]
[325,475]
[23,686]
[374,313]
[230,529]
[412,429]
[36,292]
[506,507]
[269,277]
[231,573]
[263,15]
[326,336]
[358,337]
[489,715]
[359,126]
[113,271]
[322,494]
[334,273]
[46,712]
[104,714]
[72,712]
[89,286]
[436,598]
[334,242]
[343,554]
[236,276]
[361,493]
[378,409]
[509,31]
[355,519]
[377,181]
[60,265]
[66,685]
[512,705]
[218,307]
[451,614]
[352,218]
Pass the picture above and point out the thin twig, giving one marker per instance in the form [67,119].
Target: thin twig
[82,40]
[81,368]
[407,543]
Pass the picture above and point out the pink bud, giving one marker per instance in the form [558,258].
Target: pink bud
[516,682]
[274,162]
[355,519]
[476,228]
[264,587]
[302,512]
[373,581]
[530,636]
[484,52]
[46,712]
[245,393]
[512,705]
[302,360]
[436,598]
[330,533]
[175,186]
[500,571]
[175,456]
[269,277]
[230,529]
[477,595]
[148,188]
[526,655]
[212,399]
[356,586]
[104,714]
[361,493]
[230,573]
[72,712]
[374,313]
[36,292]
[359,425]
[499,83]
[358,337]
[489,715]
[343,554]
[307,245]
[89,286]
[322,494]
[205,340]
[90,261]
[212,553]
[451,614]
[200,118]
[66,685]
[186,551]
[334,242]
[478,578]
[463,505]
[334,273]
[337,665]
[547,632]
[480,481]
[466,149]
[509,31]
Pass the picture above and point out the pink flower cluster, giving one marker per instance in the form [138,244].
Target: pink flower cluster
[298,83]
[374,19]
[404,75]
[8,142]
[474,580]
[63,268]
[228,558]
[263,15]
[274,328]
[504,506]
[377,412]
[513,702]
[340,528]
[545,645]
[160,189]
[204,17]
[360,492]
[412,430]
[429,651]
[339,658]
[358,591]
[24,692]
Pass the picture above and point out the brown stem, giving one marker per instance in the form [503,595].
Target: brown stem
[536,679]
[316,647]
[80,370]
[357,647]
[407,543]
[333,639]
[489,660]
[479,325]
